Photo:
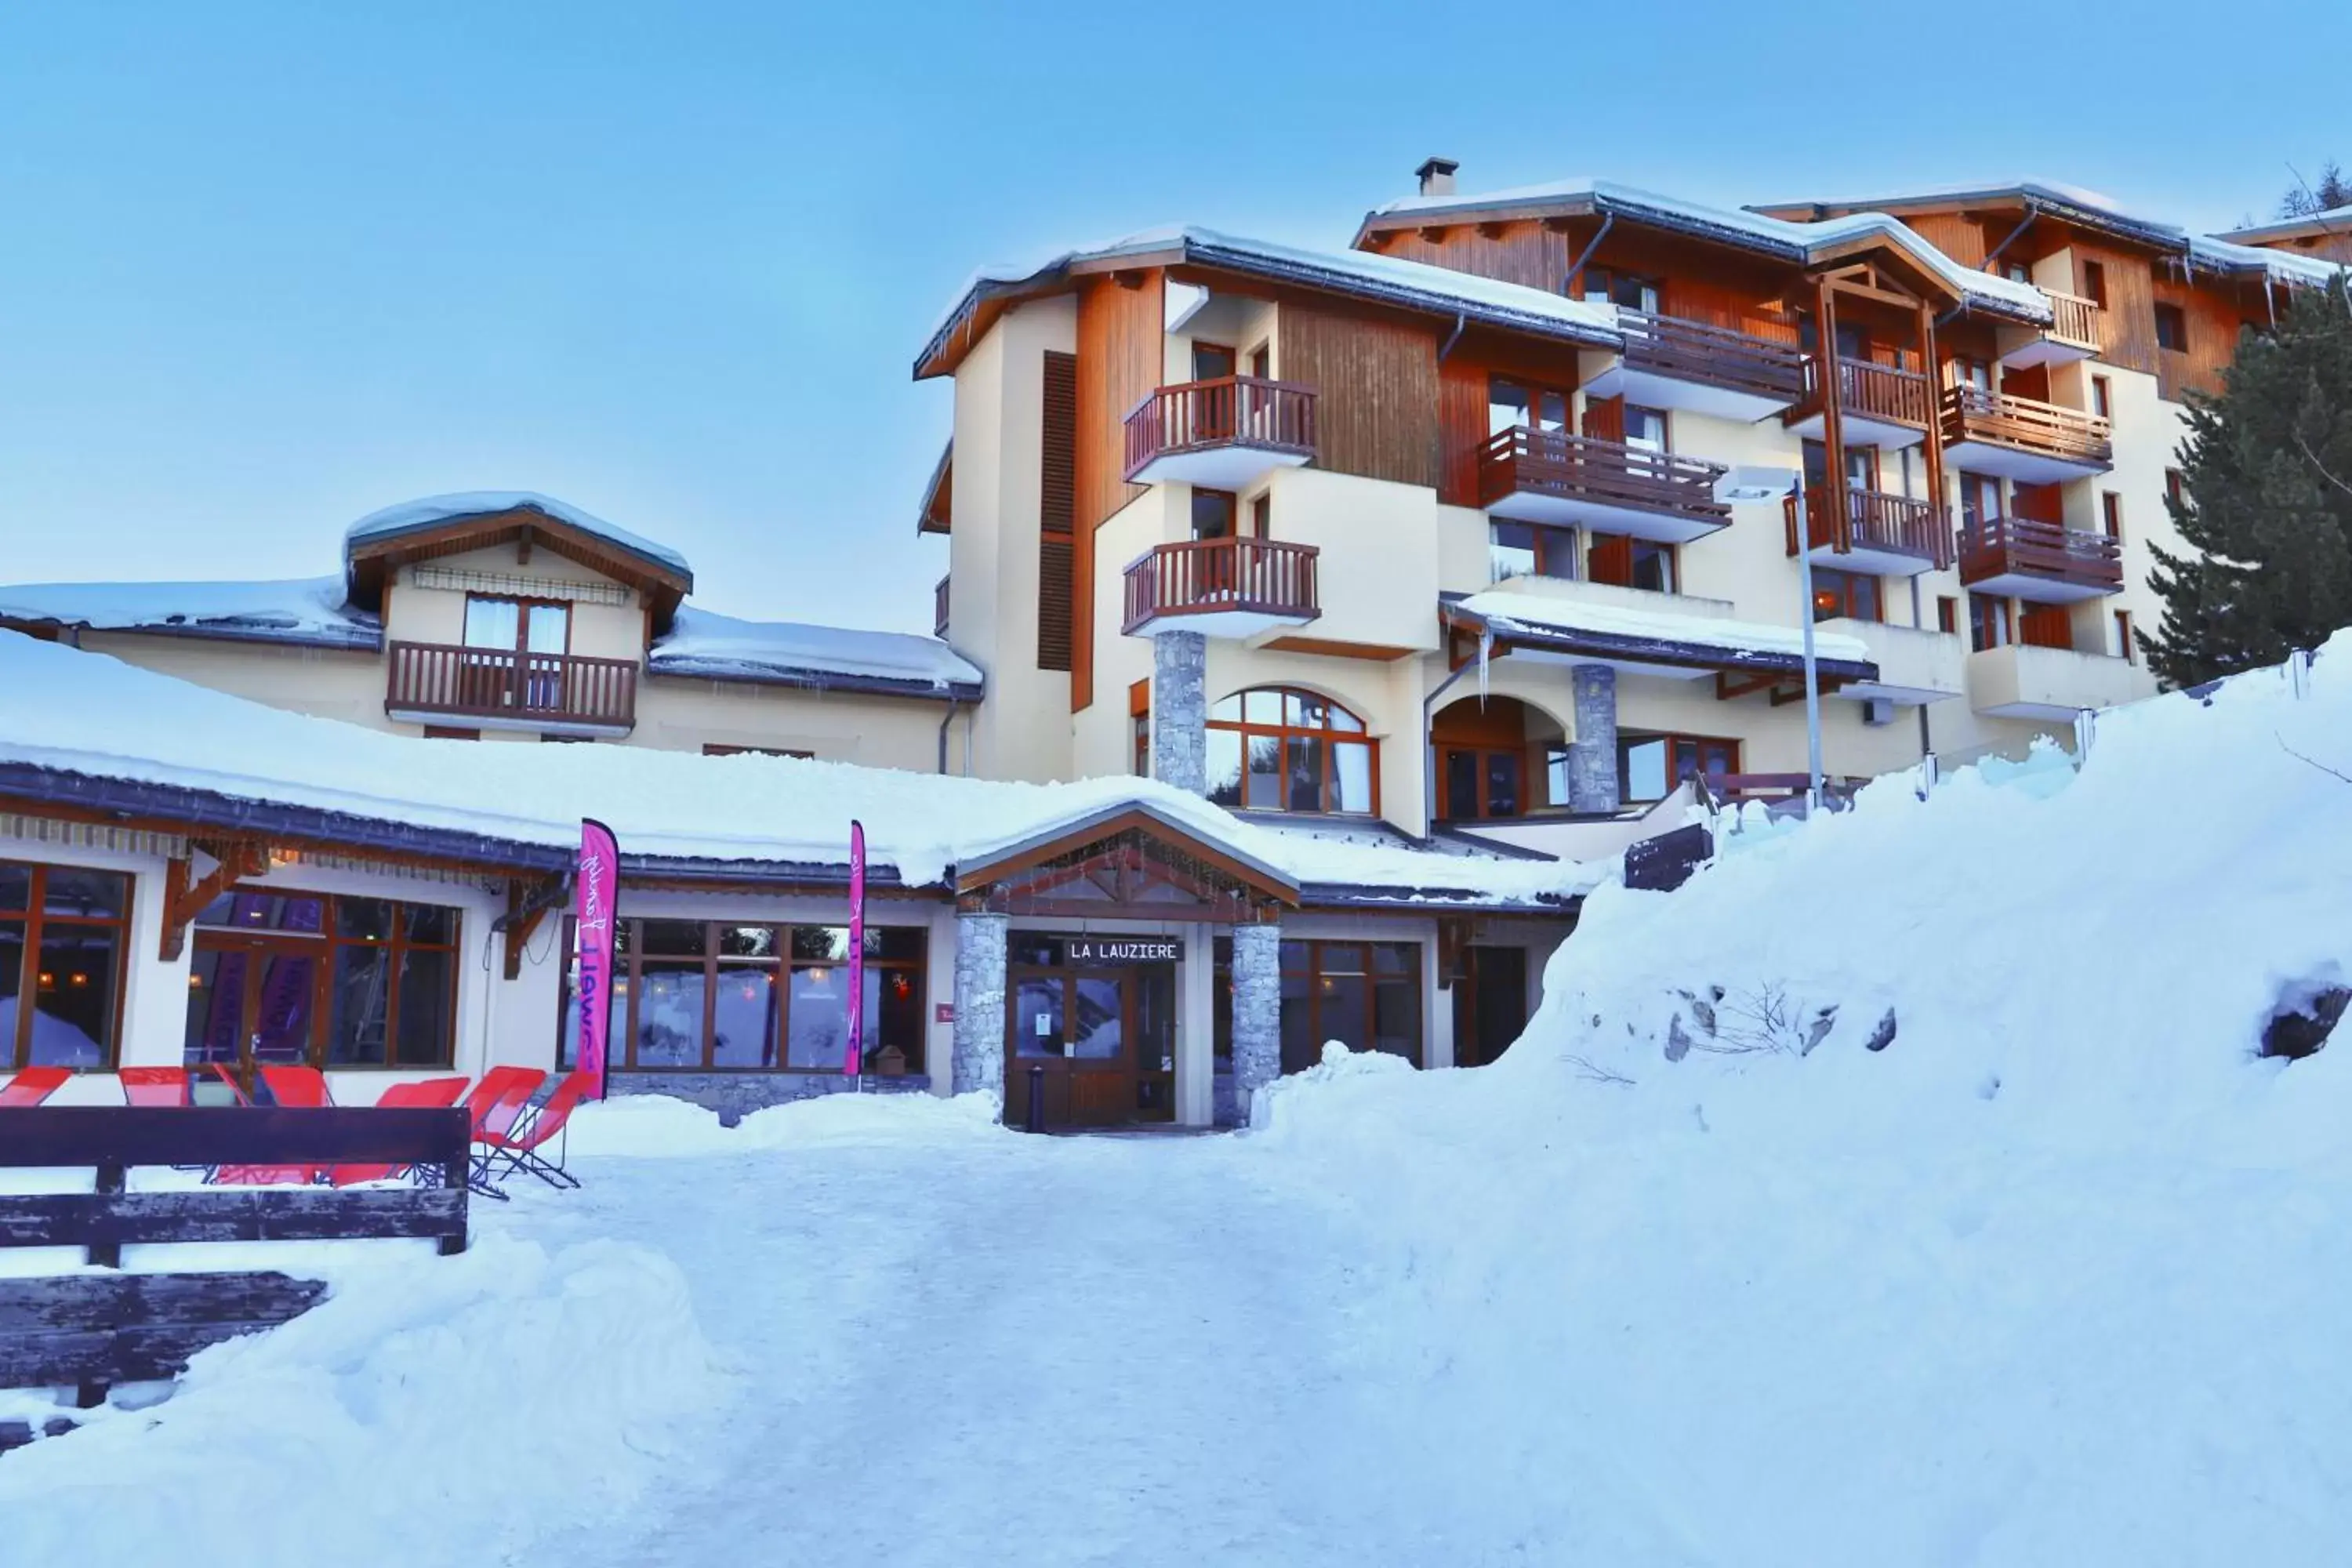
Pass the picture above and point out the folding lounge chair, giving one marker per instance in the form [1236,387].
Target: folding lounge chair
[303,1089]
[497,1103]
[518,1149]
[158,1086]
[31,1087]
[434,1094]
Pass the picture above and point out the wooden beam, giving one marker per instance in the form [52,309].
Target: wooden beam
[1945,549]
[1832,426]
[527,905]
[1727,689]
[522,547]
[184,899]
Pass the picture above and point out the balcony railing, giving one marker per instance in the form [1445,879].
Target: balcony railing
[2074,321]
[1872,391]
[1238,578]
[2067,559]
[2044,429]
[940,608]
[1607,475]
[501,683]
[1717,356]
[1229,410]
[1895,525]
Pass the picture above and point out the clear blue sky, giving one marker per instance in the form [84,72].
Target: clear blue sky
[264,268]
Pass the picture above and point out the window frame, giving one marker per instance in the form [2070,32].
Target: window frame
[2123,623]
[2165,310]
[1226,500]
[1845,584]
[2111,514]
[1139,718]
[2095,282]
[1948,614]
[1317,951]
[1284,732]
[2102,397]
[1552,544]
[524,604]
[1994,612]
[16,1053]
[1675,740]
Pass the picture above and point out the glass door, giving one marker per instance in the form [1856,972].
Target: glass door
[250,1003]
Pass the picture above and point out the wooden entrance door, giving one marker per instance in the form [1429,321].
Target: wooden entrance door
[252,1002]
[1490,1003]
[1077,1025]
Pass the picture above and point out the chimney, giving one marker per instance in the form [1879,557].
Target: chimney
[1437,176]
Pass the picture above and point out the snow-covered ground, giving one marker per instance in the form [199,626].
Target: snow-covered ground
[2050,1276]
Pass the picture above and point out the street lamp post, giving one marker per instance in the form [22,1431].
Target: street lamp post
[1746,483]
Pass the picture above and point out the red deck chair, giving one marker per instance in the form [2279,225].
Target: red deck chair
[32,1085]
[303,1089]
[518,1149]
[159,1086]
[433,1094]
[495,1105]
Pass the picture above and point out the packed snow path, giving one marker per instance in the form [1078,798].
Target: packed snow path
[1051,1351]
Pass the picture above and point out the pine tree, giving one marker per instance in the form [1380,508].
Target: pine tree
[2267,511]
[2333,191]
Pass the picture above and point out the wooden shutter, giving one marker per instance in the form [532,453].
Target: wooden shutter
[1056,511]
[1605,418]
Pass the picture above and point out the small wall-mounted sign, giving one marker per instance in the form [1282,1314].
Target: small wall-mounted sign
[1123,950]
[944,1012]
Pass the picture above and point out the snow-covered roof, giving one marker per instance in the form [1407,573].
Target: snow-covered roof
[83,720]
[306,612]
[2335,220]
[1796,241]
[431,512]
[1505,612]
[1387,279]
[720,647]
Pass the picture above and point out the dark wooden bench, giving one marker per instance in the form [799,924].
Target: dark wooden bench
[94,1331]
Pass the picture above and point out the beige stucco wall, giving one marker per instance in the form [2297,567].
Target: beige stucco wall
[417,612]
[329,683]
[1022,730]
[680,713]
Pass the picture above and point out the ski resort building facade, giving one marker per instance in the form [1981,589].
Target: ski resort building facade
[1372,602]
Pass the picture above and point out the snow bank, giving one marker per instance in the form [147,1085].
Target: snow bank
[435,1411]
[2048,1278]
[655,1126]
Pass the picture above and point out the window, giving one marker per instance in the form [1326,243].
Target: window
[2176,488]
[1364,995]
[2123,649]
[1212,361]
[1651,767]
[523,626]
[1511,403]
[2095,283]
[721,749]
[2018,272]
[1628,563]
[1948,614]
[1645,428]
[1274,749]
[1481,783]
[1139,723]
[2111,513]
[1979,498]
[1529,550]
[1212,513]
[64,936]
[2102,397]
[1972,373]
[712,996]
[1847,593]
[1604,286]
[333,980]
[2173,328]
[1989,622]
[1262,517]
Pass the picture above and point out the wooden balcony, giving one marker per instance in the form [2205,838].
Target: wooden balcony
[1878,404]
[1671,363]
[1220,588]
[501,689]
[1881,534]
[940,608]
[1225,434]
[2042,562]
[2019,438]
[2074,333]
[1552,476]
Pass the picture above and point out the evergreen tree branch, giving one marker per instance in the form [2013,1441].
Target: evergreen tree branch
[2313,457]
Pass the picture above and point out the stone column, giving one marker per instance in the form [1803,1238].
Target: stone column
[979,1064]
[1593,756]
[1180,710]
[1257,1011]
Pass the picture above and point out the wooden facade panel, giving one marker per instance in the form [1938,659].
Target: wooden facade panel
[1056,510]
[2214,318]
[2127,319]
[1121,351]
[1461,427]
[1376,393]
[1527,252]
[1963,239]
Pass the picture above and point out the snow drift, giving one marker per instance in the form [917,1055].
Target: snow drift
[2049,1276]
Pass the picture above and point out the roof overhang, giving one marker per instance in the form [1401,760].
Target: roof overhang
[1689,655]
[368,561]
[936,514]
[814,680]
[977,872]
[363,639]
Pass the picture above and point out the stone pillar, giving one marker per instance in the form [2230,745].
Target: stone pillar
[1257,1011]
[1180,710]
[979,1064]
[1592,785]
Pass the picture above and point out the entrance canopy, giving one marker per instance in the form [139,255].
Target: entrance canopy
[1128,861]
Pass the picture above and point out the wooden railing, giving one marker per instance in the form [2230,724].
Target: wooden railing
[499,683]
[1998,546]
[1584,467]
[2075,320]
[1973,414]
[96,1326]
[1873,520]
[1875,392]
[940,608]
[1200,576]
[1717,356]
[1231,410]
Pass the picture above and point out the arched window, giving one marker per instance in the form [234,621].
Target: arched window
[1279,750]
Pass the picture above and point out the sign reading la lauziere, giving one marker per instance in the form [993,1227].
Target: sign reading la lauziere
[1123,950]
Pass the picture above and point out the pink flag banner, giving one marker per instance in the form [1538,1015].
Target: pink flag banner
[592,953]
[851,1058]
